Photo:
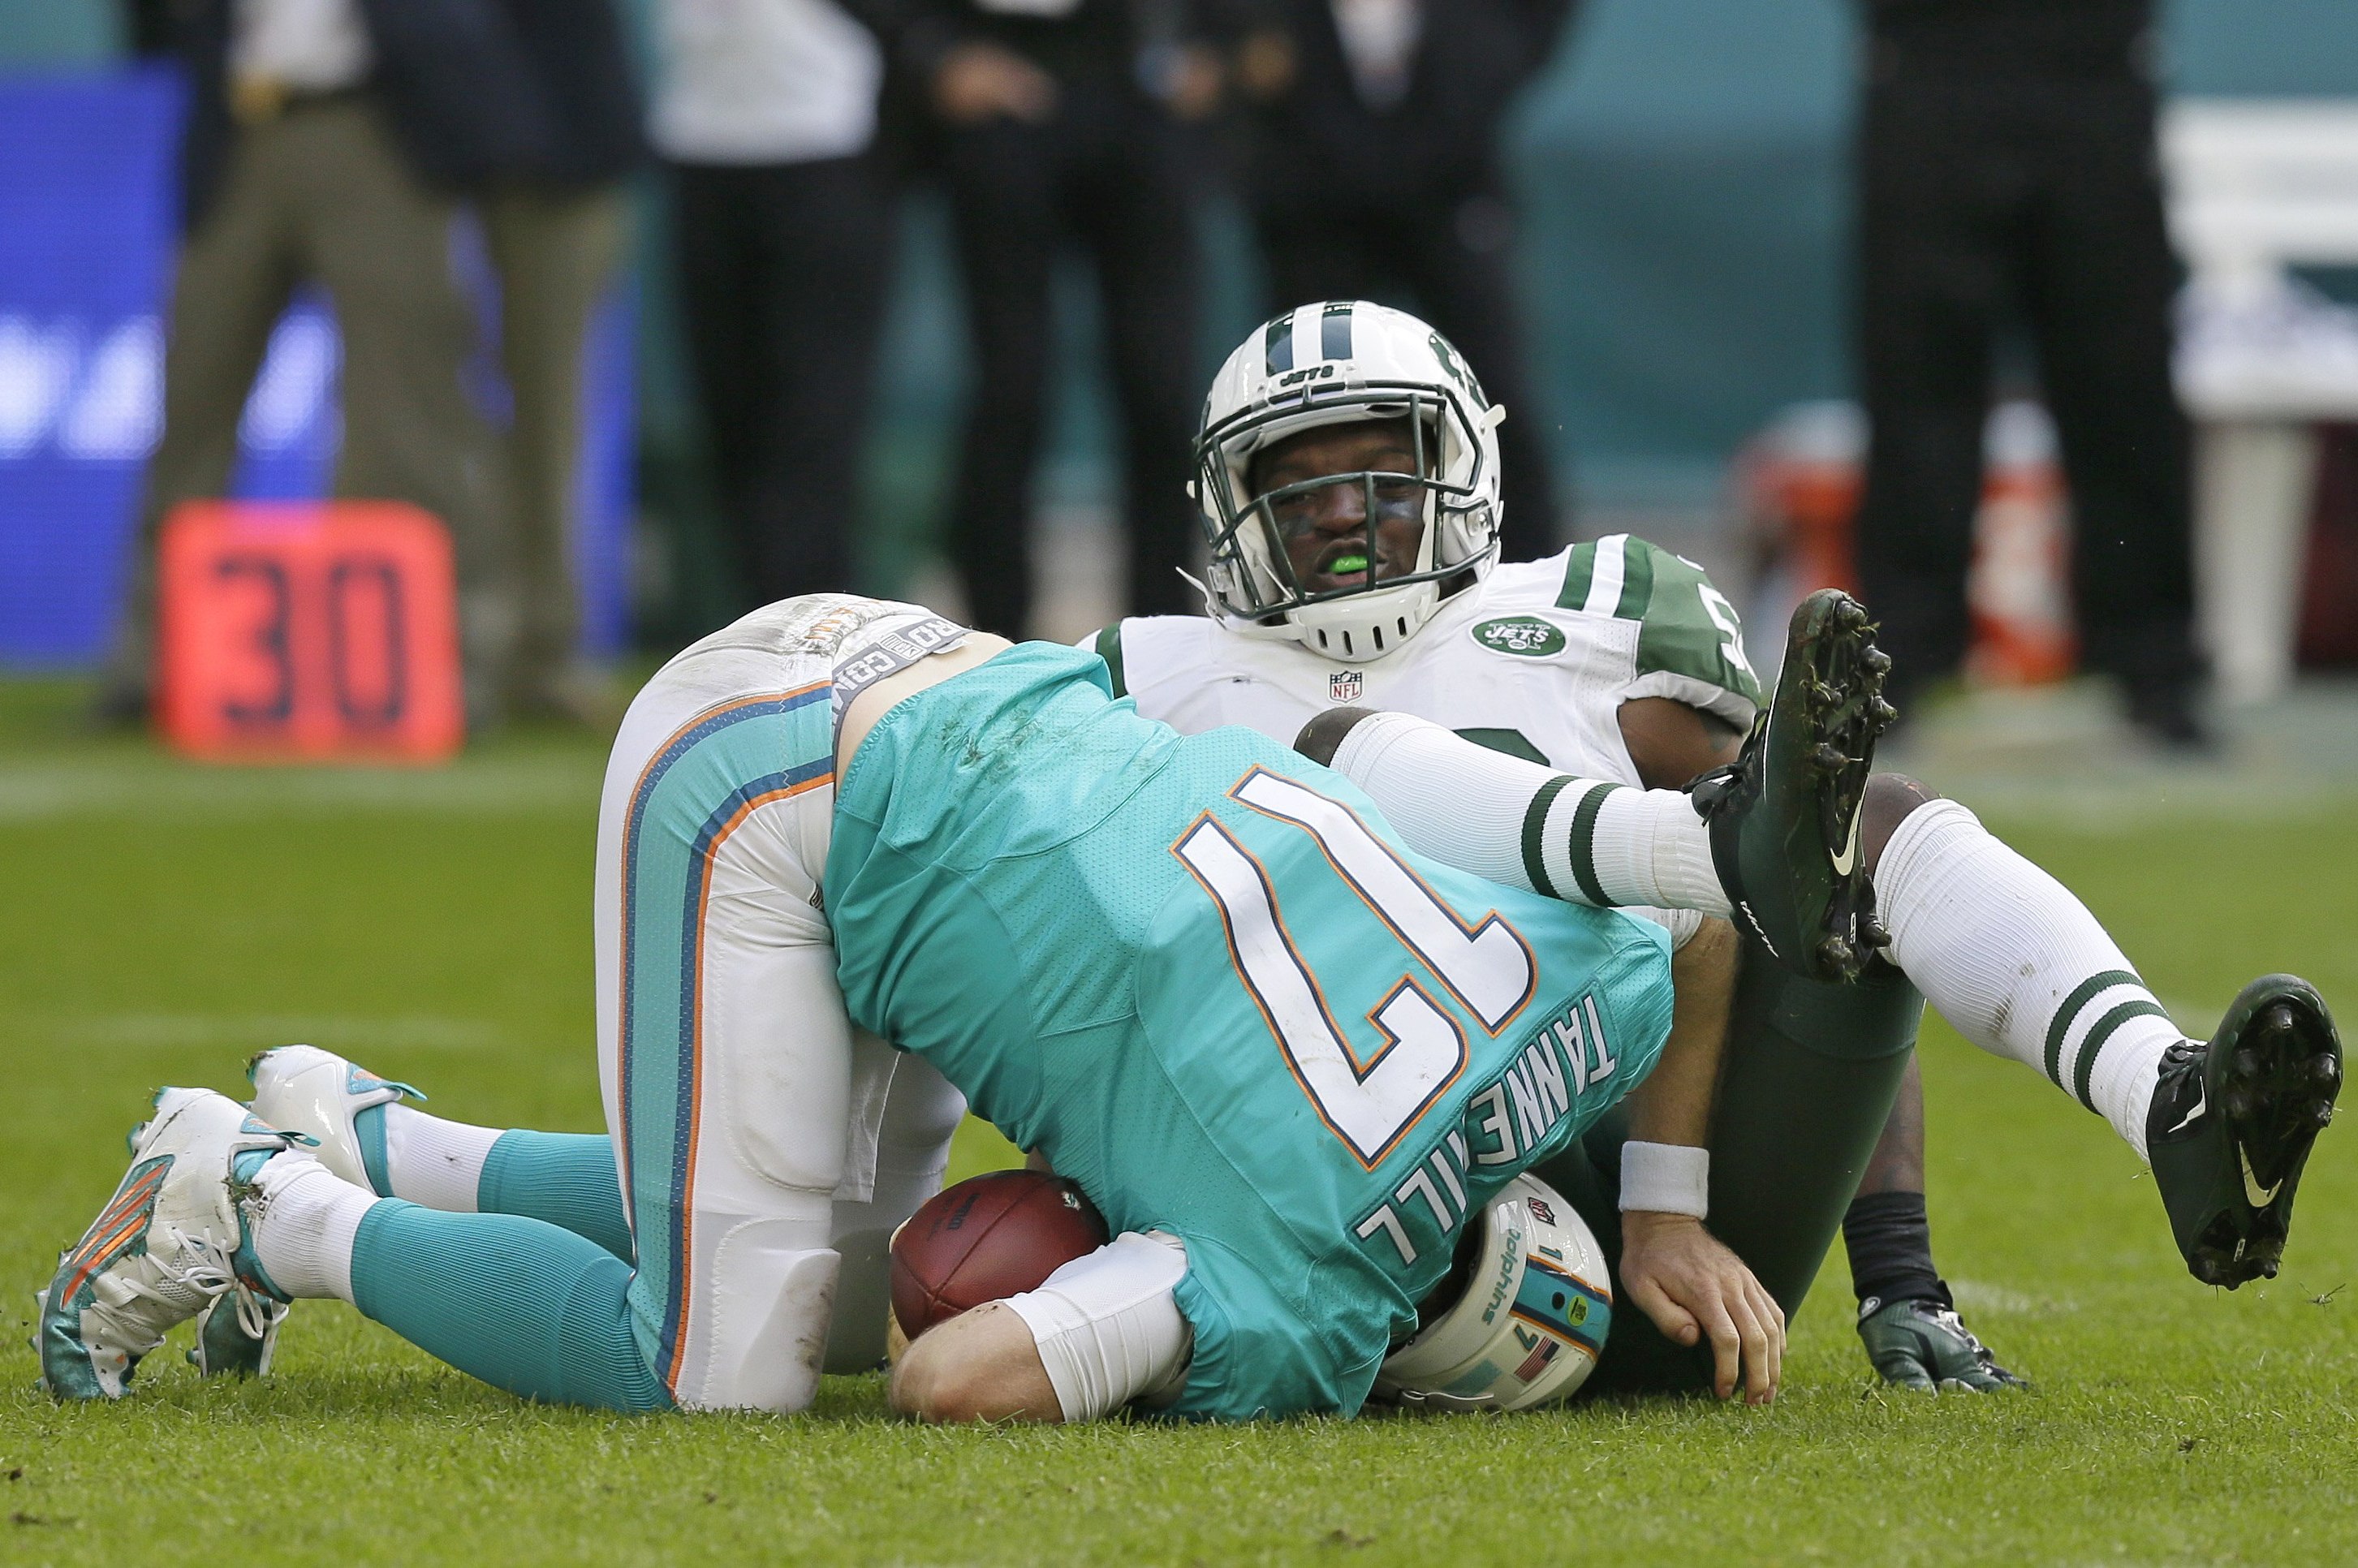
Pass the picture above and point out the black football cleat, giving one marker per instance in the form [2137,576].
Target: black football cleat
[1925,1346]
[1785,815]
[2232,1123]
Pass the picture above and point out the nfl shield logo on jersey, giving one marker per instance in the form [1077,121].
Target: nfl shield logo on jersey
[1345,685]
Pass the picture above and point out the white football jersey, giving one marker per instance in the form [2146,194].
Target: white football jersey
[1535,660]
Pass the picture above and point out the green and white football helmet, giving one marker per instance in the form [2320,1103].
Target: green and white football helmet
[1528,1323]
[1336,363]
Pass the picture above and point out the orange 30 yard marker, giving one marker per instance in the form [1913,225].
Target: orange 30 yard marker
[308,631]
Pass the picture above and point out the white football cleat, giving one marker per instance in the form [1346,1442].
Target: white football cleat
[307,1090]
[170,1243]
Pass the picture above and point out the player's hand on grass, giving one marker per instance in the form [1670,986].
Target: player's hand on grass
[1924,1345]
[1693,1288]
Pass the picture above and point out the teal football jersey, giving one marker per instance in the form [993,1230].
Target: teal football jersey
[1206,980]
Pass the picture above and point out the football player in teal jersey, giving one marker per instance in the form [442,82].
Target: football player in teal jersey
[1287,1054]
[1348,482]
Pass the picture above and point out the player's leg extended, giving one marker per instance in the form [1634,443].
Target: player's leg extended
[2020,967]
[368,1136]
[219,1214]
[1771,841]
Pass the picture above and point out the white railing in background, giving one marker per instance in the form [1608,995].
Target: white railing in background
[2257,187]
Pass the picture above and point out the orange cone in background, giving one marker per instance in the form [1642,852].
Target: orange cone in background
[2019,586]
[1798,485]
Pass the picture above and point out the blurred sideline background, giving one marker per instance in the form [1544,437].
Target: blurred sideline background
[1683,169]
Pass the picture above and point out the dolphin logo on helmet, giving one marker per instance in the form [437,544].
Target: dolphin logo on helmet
[1529,1320]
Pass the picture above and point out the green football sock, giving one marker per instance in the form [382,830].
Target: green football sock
[519,1303]
[565,1178]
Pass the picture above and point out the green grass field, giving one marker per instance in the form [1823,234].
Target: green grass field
[158,922]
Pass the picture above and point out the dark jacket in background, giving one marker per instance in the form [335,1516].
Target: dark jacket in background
[1320,140]
[1113,171]
[1096,37]
[533,90]
[2061,36]
[475,90]
[1354,201]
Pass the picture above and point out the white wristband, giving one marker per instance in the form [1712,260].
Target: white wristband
[1665,1178]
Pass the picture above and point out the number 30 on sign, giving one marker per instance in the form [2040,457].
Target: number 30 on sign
[308,631]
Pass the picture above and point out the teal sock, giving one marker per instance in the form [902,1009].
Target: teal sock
[519,1303]
[565,1178]
[369,1128]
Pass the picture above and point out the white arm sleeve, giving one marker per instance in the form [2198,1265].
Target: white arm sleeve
[1108,1328]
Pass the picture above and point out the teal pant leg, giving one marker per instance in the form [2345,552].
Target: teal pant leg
[519,1303]
[565,1178]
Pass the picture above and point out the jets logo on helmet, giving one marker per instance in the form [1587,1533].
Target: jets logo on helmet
[1333,363]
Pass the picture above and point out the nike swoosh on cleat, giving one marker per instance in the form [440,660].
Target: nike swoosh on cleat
[2202,1101]
[1849,858]
[2254,1194]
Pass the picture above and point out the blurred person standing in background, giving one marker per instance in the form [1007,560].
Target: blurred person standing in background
[1072,118]
[300,163]
[2006,165]
[554,225]
[1373,167]
[765,111]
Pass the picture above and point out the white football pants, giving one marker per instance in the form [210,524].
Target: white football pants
[746,1119]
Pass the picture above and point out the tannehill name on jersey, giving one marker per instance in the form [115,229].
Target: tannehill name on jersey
[1504,1124]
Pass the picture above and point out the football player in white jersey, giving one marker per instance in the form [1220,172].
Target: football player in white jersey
[1347,478]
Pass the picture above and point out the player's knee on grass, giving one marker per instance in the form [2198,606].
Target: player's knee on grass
[1891,798]
[982,1365]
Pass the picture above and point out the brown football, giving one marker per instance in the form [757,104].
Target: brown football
[992,1236]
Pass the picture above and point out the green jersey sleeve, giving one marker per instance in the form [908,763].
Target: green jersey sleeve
[1690,639]
[1106,643]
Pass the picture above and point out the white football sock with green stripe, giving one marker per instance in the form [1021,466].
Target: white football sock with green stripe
[2019,966]
[1583,840]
